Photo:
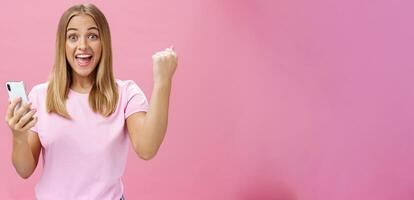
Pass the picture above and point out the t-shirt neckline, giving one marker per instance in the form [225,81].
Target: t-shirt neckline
[78,93]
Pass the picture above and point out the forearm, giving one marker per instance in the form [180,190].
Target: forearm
[156,120]
[22,157]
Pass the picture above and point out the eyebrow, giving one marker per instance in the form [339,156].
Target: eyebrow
[75,29]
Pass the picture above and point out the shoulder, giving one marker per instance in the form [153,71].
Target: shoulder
[40,88]
[38,93]
[124,83]
[127,85]
[129,89]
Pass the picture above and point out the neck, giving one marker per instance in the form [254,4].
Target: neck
[81,84]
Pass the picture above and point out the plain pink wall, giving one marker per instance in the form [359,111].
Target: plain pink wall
[284,100]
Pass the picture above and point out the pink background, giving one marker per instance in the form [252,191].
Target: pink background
[284,100]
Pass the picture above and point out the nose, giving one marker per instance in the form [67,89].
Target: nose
[82,44]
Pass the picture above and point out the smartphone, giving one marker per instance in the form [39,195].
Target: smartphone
[16,89]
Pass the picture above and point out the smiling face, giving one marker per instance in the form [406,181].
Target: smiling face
[83,45]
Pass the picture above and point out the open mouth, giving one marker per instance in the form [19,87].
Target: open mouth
[83,59]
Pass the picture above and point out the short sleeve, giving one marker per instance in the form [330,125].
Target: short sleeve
[33,98]
[136,99]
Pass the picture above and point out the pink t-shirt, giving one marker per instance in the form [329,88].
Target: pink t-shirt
[84,158]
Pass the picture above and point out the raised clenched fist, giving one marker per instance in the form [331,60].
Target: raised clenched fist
[164,65]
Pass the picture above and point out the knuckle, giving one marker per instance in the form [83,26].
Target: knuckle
[18,124]
[23,119]
[22,111]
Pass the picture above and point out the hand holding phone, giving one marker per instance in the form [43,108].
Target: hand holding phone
[19,115]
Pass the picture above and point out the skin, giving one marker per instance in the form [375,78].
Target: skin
[146,130]
[82,38]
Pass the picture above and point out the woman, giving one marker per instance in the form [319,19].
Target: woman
[82,111]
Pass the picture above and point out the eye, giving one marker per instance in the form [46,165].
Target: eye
[72,38]
[93,36]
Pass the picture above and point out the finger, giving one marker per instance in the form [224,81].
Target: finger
[171,51]
[12,107]
[23,110]
[30,124]
[170,56]
[18,114]
[26,118]
[158,53]
[166,53]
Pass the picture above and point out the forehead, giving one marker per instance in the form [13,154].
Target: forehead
[81,21]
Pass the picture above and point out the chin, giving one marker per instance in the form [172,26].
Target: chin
[82,73]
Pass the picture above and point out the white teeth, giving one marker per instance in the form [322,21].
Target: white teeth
[83,56]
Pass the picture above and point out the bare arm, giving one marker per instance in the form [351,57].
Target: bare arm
[26,143]
[147,130]
[25,155]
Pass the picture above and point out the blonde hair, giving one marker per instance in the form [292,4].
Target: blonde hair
[103,96]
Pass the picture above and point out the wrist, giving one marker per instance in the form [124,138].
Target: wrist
[20,138]
[163,83]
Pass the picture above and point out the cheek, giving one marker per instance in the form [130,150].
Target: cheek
[97,49]
[69,50]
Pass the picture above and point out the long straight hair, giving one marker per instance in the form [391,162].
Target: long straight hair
[103,96]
